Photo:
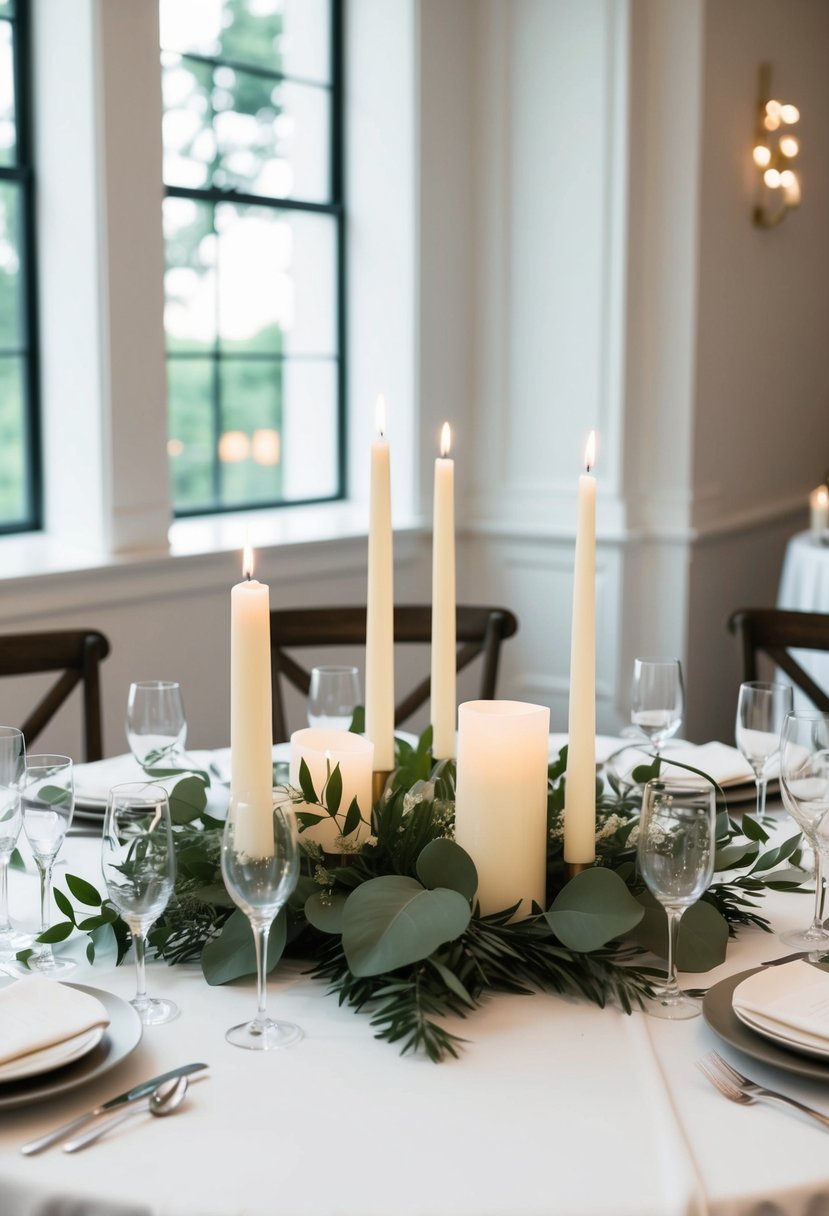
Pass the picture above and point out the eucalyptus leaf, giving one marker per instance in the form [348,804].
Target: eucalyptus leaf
[325,911]
[702,939]
[232,954]
[187,799]
[592,909]
[393,920]
[443,863]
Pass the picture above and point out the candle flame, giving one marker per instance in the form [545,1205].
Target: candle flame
[380,415]
[445,439]
[823,495]
[247,559]
[590,451]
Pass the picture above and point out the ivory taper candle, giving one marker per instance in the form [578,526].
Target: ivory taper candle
[443,686]
[380,605]
[251,743]
[580,788]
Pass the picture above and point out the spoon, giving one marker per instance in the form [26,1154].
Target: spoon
[164,1099]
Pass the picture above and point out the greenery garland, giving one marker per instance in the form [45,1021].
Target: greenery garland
[393,929]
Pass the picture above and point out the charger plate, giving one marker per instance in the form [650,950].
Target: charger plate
[121,1038]
[718,1011]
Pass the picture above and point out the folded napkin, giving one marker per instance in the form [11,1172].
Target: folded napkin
[724,764]
[93,781]
[789,1003]
[36,1013]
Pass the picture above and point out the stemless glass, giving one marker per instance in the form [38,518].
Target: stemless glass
[260,866]
[333,697]
[676,859]
[12,776]
[804,784]
[657,699]
[761,712]
[48,803]
[156,725]
[139,867]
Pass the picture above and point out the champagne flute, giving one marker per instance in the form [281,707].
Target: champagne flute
[333,696]
[804,784]
[657,699]
[260,866]
[139,867]
[761,712]
[676,859]
[156,725]
[12,777]
[48,803]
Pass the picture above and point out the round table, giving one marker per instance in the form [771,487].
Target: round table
[804,587]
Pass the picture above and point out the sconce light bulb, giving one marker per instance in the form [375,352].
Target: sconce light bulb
[771,124]
[787,179]
[789,114]
[773,108]
[772,178]
[762,155]
[789,146]
[792,191]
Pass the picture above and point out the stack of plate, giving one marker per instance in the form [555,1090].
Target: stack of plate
[723,764]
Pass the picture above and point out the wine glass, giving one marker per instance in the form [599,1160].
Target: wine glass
[260,866]
[657,699]
[156,725]
[761,712]
[139,867]
[48,803]
[12,776]
[804,784]
[676,859]
[333,697]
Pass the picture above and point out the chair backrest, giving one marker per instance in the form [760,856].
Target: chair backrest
[76,654]
[775,632]
[480,631]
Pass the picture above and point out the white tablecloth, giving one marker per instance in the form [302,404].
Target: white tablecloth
[555,1107]
[804,587]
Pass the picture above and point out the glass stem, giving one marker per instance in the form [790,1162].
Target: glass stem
[45,869]
[260,941]
[139,944]
[5,923]
[674,916]
[820,890]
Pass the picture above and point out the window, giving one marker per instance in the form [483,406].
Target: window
[254,237]
[19,457]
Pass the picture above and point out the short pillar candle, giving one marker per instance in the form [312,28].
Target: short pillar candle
[322,751]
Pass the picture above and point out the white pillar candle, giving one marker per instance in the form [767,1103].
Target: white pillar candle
[443,694]
[580,788]
[380,606]
[819,511]
[251,743]
[501,801]
[322,751]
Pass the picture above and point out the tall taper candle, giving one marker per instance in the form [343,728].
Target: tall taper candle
[580,788]
[380,605]
[251,743]
[444,680]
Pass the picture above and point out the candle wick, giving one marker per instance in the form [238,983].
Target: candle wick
[247,575]
[588,468]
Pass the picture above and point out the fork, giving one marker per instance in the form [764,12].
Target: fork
[737,1088]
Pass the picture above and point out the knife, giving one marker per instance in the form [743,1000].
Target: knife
[139,1091]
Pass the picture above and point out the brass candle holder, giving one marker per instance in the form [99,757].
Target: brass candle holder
[572,868]
[378,783]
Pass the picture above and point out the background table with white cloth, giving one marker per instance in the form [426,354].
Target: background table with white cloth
[804,587]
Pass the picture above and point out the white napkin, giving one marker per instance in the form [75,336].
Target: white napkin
[37,1013]
[789,1002]
[725,764]
[93,781]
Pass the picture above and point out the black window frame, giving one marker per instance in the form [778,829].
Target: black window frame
[21,174]
[335,207]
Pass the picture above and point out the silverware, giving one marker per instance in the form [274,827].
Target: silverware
[131,1095]
[164,1099]
[817,956]
[737,1088]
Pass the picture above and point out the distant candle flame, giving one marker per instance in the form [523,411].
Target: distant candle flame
[590,451]
[445,440]
[822,496]
[380,415]
[247,559]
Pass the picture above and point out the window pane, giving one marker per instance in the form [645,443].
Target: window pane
[250,443]
[277,280]
[13,453]
[190,281]
[10,289]
[191,444]
[310,436]
[8,137]
[189,141]
[288,36]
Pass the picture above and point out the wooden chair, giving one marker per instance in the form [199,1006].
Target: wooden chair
[774,632]
[480,631]
[77,654]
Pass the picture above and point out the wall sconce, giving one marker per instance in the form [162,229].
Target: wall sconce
[775,149]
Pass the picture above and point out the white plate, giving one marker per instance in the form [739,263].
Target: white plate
[813,1049]
[50,1058]
[121,1038]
